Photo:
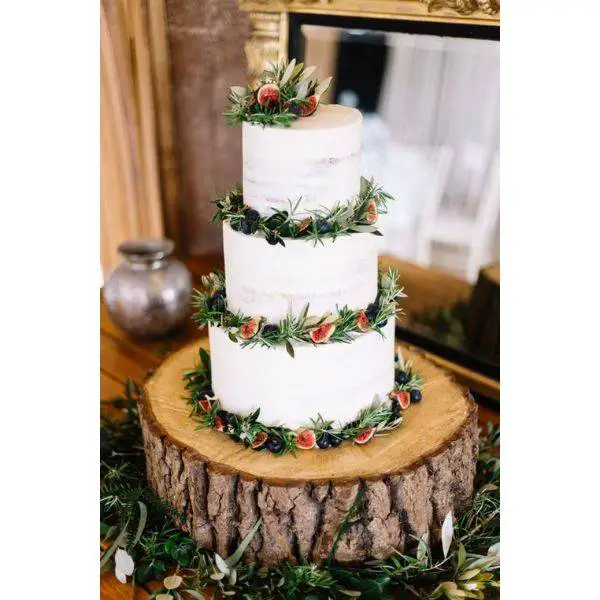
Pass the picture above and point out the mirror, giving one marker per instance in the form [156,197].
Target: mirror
[429,95]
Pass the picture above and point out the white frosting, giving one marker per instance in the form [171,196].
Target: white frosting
[272,281]
[316,160]
[334,380]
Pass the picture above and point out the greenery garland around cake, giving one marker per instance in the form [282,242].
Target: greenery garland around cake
[141,540]
[343,325]
[285,92]
[356,216]
[381,416]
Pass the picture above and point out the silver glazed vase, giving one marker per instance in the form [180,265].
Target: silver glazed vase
[148,294]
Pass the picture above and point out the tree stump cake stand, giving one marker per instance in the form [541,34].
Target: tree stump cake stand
[408,480]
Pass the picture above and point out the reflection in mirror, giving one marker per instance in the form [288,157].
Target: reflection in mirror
[430,106]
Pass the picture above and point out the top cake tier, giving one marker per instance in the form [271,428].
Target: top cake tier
[316,161]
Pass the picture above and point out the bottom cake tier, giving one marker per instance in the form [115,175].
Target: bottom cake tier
[334,381]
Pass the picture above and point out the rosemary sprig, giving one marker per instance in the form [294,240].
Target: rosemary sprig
[210,308]
[354,216]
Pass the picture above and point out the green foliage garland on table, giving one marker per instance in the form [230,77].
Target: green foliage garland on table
[381,416]
[140,529]
[355,216]
[210,304]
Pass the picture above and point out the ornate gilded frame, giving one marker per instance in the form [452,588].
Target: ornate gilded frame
[268,40]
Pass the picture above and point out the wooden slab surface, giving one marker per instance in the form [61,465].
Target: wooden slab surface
[427,426]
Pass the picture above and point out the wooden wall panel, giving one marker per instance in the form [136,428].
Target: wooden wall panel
[130,186]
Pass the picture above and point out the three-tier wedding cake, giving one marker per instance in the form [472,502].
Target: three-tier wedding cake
[302,370]
[301,324]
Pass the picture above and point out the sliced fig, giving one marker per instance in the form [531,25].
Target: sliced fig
[260,440]
[220,423]
[249,329]
[309,107]
[365,436]
[303,224]
[306,439]
[206,404]
[322,333]
[403,398]
[371,212]
[362,321]
[268,95]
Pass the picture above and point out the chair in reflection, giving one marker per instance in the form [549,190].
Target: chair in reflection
[469,230]
[416,176]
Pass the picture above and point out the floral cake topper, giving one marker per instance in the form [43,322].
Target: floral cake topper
[285,92]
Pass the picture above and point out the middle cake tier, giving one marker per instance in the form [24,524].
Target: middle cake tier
[274,281]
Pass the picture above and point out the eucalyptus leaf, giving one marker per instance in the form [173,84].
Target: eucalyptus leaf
[222,565]
[119,541]
[194,594]
[462,555]
[447,533]
[466,575]
[237,555]
[423,548]
[141,524]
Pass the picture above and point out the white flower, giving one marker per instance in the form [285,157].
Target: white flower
[123,565]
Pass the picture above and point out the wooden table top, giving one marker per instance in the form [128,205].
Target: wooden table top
[122,357]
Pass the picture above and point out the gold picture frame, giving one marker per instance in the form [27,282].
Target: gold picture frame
[268,41]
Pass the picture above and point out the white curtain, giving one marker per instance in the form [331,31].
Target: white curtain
[441,91]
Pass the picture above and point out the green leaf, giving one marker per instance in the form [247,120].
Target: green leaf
[323,86]
[193,594]
[289,348]
[205,359]
[462,555]
[119,541]
[287,74]
[237,555]
[141,523]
